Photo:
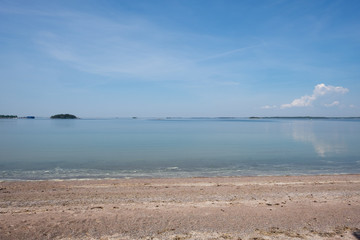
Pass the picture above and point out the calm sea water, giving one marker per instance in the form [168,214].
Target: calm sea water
[117,148]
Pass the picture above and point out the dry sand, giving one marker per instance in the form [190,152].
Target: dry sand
[295,207]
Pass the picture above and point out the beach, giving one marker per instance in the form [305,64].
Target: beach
[268,207]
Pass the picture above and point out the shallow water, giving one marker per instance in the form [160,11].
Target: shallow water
[116,148]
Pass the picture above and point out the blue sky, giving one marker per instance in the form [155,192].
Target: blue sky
[180,58]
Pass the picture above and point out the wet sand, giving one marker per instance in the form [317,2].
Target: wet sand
[287,207]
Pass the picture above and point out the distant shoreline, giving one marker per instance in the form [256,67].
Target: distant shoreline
[174,118]
[304,117]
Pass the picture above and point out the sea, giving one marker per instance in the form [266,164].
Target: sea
[42,148]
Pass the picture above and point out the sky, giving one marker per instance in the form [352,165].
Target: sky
[183,58]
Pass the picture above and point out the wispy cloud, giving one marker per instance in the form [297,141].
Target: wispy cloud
[133,47]
[269,107]
[231,52]
[335,103]
[320,90]
[104,47]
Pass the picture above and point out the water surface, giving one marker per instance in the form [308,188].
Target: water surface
[116,148]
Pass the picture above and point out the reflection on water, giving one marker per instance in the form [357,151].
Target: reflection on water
[326,142]
[63,123]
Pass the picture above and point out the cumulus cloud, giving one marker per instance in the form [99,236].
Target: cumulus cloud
[304,101]
[319,91]
[335,103]
[322,89]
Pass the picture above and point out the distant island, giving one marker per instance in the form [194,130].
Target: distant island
[8,116]
[304,117]
[63,116]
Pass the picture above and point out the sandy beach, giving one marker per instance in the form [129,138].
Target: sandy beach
[286,207]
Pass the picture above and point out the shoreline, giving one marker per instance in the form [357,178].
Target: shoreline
[174,177]
[241,207]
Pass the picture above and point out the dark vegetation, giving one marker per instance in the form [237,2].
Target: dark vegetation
[8,116]
[64,116]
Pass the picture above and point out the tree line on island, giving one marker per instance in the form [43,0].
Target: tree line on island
[57,116]
[8,116]
[63,116]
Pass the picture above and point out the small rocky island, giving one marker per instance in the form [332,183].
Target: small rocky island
[63,116]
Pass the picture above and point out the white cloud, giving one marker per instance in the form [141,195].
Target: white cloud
[319,91]
[304,101]
[335,103]
[322,89]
